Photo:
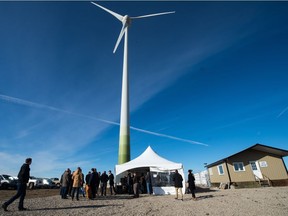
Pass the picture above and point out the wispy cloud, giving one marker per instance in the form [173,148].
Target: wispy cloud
[43,163]
[27,132]
[10,163]
[244,120]
[41,106]
[283,111]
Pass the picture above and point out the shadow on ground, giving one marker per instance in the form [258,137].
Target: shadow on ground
[73,207]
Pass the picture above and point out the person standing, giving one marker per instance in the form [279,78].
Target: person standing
[148,183]
[23,178]
[82,190]
[104,179]
[136,186]
[130,183]
[70,184]
[98,182]
[111,182]
[64,183]
[142,184]
[92,182]
[87,188]
[178,184]
[191,184]
[77,181]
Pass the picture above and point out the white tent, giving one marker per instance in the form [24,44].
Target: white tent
[161,171]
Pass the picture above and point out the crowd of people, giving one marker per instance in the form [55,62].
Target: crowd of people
[89,186]
[95,184]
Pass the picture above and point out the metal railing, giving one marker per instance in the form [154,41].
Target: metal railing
[265,178]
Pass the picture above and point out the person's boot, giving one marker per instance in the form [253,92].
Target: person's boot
[4,206]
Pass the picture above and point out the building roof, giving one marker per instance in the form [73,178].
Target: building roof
[257,147]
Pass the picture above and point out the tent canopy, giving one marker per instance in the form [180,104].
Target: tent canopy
[149,158]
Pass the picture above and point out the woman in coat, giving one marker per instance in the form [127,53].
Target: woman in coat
[77,182]
[191,184]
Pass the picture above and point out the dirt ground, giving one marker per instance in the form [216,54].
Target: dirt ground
[268,201]
[35,193]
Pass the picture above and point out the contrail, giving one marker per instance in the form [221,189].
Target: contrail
[283,111]
[41,106]
[168,136]
[37,105]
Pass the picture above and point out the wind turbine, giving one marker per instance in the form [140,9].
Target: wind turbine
[124,139]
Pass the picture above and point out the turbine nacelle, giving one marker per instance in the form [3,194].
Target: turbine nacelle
[126,20]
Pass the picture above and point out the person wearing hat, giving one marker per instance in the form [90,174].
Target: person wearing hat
[191,183]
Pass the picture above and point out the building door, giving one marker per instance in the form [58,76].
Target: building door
[256,169]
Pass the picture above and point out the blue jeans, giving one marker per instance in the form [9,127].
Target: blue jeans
[21,192]
[77,192]
[63,192]
[149,188]
[103,188]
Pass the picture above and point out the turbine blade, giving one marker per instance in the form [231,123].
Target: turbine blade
[120,37]
[118,16]
[150,15]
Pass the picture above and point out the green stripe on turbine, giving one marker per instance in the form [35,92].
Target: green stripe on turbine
[124,149]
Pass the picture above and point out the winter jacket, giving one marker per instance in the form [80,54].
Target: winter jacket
[77,179]
[104,178]
[111,179]
[178,180]
[24,173]
[191,181]
[65,179]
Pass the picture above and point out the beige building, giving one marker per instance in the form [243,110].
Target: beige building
[256,166]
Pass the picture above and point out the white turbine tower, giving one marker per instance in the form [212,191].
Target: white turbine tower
[124,139]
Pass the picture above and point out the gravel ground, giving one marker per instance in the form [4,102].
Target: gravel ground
[249,202]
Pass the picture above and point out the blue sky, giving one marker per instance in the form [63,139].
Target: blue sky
[205,82]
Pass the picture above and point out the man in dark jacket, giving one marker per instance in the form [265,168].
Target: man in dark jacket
[23,178]
[111,182]
[177,178]
[104,179]
[92,182]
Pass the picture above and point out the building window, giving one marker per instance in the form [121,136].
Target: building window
[220,169]
[253,165]
[238,166]
[263,164]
